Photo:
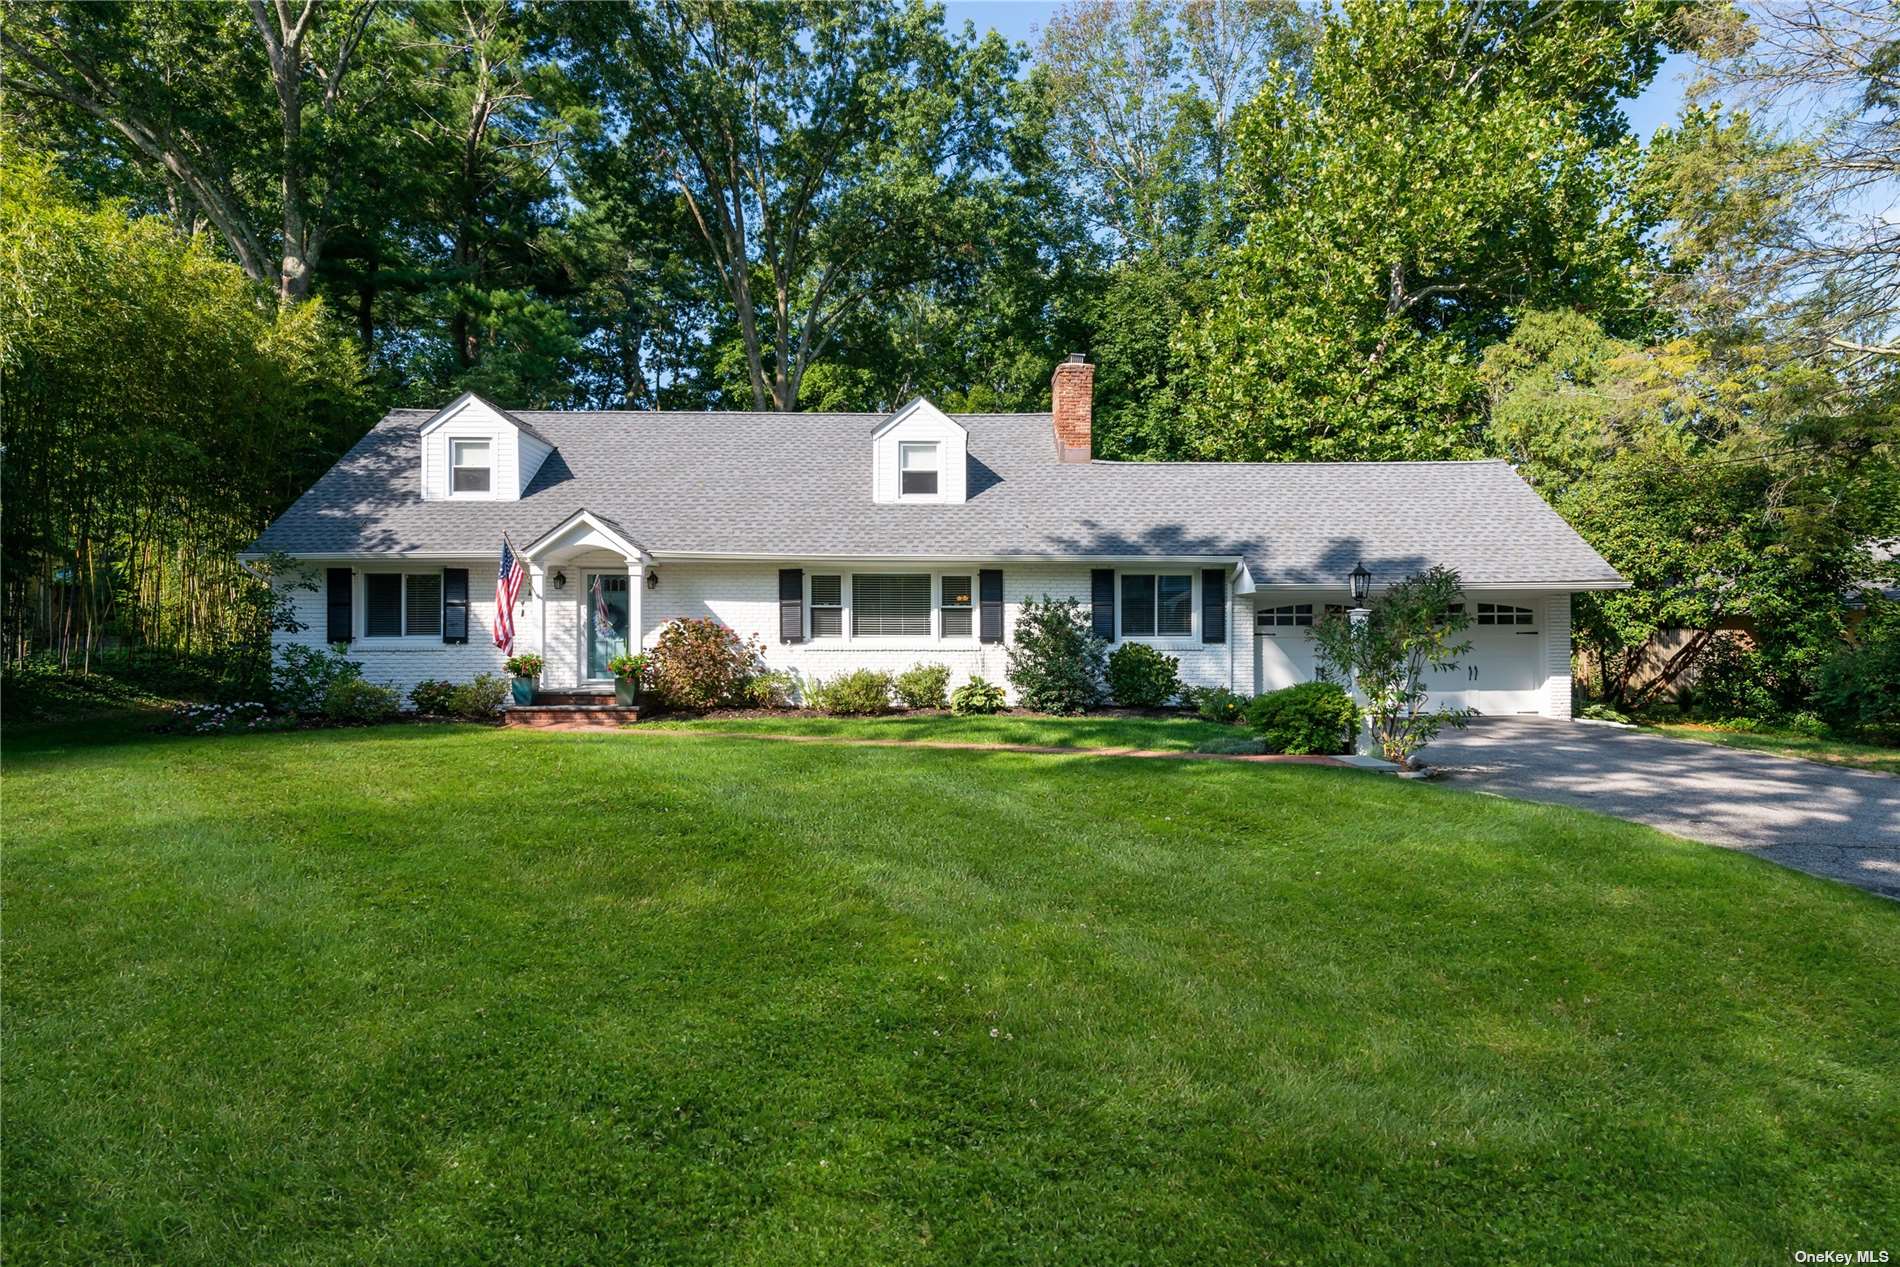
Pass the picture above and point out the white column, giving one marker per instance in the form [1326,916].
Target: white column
[538,595]
[1364,746]
[636,590]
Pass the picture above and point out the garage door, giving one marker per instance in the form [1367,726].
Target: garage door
[1504,673]
[1283,646]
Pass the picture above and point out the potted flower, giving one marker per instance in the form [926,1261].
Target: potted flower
[525,667]
[627,670]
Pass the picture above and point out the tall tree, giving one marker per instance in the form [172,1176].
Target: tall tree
[1143,95]
[1448,164]
[815,148]
[1782,178]
[250,116]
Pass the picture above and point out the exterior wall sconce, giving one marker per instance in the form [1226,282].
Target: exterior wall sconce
[653,579]
[560,579]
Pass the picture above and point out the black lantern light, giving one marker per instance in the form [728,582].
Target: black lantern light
[1361,583]
[560,579]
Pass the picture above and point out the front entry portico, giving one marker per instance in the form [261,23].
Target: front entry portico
[588,579]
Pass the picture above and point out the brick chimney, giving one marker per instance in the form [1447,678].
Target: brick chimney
[1071,400]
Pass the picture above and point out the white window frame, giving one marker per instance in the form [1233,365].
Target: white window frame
[1160,639]
[405,638]
[936,454]
[933,634]
[493,465]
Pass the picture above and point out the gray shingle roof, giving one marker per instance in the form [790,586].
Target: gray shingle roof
[800,484]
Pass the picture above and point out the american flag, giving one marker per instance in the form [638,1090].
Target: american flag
[508,578]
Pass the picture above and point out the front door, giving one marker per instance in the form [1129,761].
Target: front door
[604,624]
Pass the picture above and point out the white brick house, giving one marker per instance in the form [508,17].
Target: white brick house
[853,540]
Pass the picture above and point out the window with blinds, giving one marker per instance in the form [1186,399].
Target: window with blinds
[890,605]
[956,607]
[382,605]
[1154,606]
[398,604]
[422,605]
[827,607]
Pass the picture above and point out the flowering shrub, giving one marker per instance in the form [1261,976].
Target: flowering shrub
[628,666]
[977,696]
[700,664]
[527,664]
[924,686]
[1141,677]
[205,719]
[1216,703]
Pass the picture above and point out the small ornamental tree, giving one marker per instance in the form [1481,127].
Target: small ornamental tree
[1056,660]
[700,664]
[1414,625]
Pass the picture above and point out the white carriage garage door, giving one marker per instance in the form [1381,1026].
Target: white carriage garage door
[1283,646]
[1504,674]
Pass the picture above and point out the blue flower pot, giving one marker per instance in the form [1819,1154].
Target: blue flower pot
[524,690]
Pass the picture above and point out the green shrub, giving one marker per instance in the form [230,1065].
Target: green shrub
[302,677]
[924,686]
[1602,712]
[772,688]
[863,693]
[1310,717]
[700,664]
[431,697]
[1859,689]
[1141,677]
[353,699]
[479,699]
[977,696]
[1731,682]
[1056,661]
[1216,703]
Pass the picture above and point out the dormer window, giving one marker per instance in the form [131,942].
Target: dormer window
[471,466]
[918,465]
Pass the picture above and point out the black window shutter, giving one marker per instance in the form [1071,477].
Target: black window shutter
[339,606]
[1213,604]
[791,604]
[455,604]
[1102,602]
[989,590]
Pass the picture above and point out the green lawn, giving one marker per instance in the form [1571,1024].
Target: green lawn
[424,994]
[1162,734]
[1866,756]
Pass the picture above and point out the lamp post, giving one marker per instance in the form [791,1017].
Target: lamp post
[1359,584]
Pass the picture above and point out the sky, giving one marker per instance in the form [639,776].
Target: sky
[1022,20]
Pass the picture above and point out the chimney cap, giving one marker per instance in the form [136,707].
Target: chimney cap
[1078,358]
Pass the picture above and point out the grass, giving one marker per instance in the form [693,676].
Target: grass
[424,994]
[1107,730]
[1865,756]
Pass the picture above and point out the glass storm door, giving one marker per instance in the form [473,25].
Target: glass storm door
[606,622]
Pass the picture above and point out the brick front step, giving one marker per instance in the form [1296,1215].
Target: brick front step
[571,716]
[543,698]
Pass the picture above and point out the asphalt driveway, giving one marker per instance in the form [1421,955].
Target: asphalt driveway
[1827,820]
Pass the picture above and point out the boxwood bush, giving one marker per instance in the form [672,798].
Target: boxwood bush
[478,699]
[431,697]
[924,686]
[353,699]
[863,693]
[1141,677]
[1313,717]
